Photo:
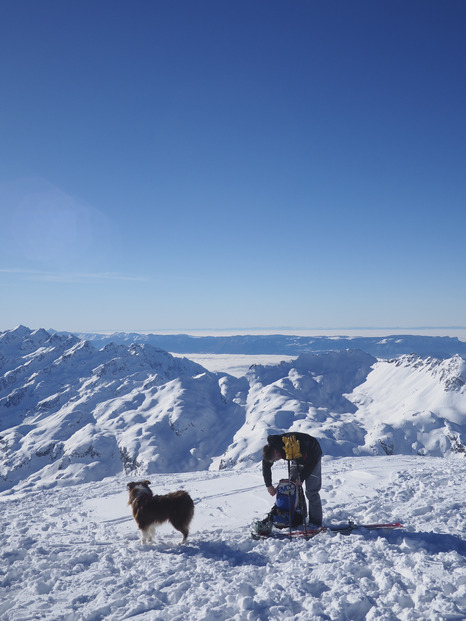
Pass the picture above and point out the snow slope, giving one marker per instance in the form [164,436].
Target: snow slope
[73,553]
[70,412]
[411,405]
[356,405]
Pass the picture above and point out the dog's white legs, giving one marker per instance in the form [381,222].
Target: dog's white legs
[151,532]
[148,534]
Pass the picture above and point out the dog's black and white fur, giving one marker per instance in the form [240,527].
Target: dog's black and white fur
[150,510]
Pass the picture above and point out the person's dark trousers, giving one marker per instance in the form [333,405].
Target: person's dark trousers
[313,485]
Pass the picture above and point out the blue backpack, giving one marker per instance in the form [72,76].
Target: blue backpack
[289,495]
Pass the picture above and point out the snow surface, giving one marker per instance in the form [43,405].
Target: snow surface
[237,365]
[74,553]
[77,423]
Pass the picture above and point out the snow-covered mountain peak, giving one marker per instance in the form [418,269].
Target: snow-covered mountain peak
[450,372]
[71,411]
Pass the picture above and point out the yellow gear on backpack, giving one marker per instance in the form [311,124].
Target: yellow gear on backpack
[292,448]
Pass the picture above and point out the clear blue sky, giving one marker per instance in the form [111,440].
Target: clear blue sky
[192,164]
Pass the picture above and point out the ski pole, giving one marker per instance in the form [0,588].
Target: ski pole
[302,502]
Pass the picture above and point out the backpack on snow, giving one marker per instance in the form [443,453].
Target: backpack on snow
[289,495]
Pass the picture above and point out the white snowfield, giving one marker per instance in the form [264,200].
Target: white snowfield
[78,423]
[73,553]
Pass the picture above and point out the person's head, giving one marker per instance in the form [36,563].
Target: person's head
[269,453]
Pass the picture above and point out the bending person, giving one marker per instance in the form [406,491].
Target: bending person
[307,465]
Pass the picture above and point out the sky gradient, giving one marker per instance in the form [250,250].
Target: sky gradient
[232,164]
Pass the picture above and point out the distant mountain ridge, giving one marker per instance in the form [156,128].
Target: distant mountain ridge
[70,411]
[285,345]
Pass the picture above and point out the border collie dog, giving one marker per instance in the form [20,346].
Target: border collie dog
[150,510]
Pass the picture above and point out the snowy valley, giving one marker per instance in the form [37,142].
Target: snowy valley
[79,419]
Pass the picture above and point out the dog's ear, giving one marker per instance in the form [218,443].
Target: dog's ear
[146,482]
[130,486]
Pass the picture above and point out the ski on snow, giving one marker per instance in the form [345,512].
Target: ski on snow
[344,529]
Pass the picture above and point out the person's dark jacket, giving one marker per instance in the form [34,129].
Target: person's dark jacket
[309,448]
